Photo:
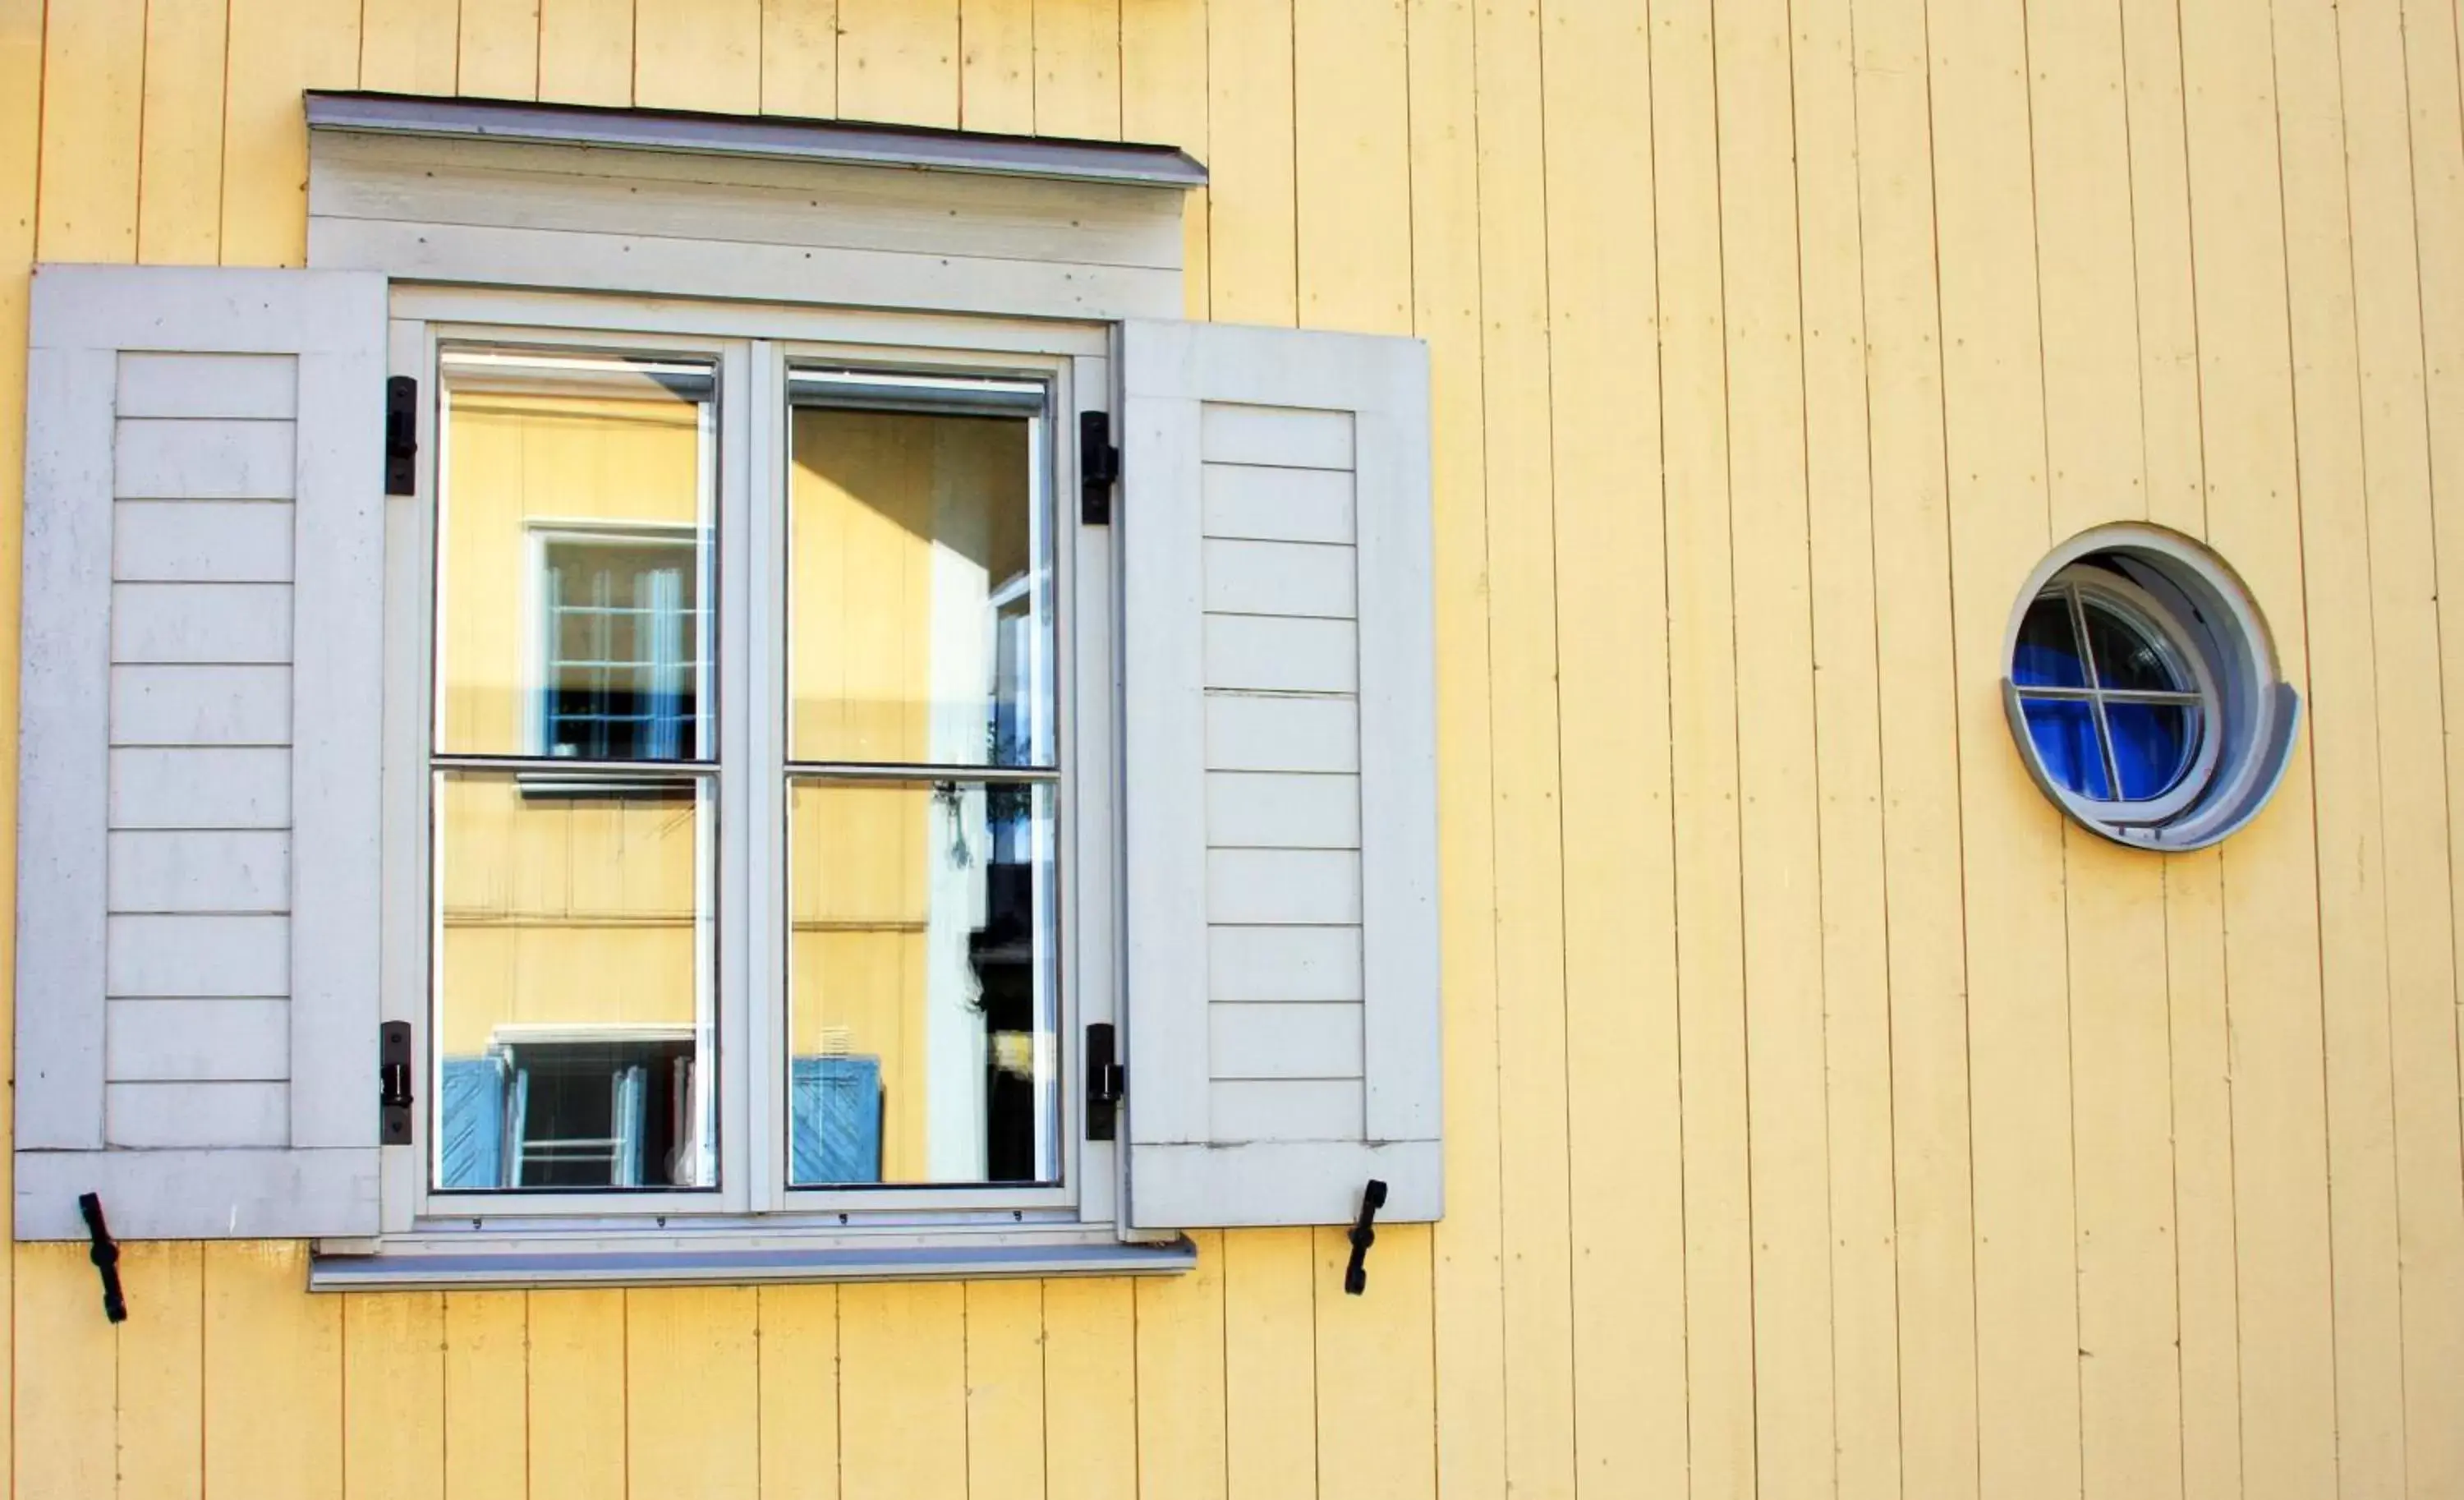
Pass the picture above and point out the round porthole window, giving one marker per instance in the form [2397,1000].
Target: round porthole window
[2143,688]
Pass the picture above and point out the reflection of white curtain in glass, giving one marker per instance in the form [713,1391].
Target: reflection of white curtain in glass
[660,593]
[518,1127]
[627,1110]
[954,1022]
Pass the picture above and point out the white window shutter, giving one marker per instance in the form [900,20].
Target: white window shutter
[197,907]
[1281,817]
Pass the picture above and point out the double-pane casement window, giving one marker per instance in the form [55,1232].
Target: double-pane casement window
[882,1008]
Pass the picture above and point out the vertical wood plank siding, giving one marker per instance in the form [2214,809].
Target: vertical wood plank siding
[1824,1115]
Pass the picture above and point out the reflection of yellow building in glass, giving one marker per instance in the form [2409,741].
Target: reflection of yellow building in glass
[909,594]
[576,990]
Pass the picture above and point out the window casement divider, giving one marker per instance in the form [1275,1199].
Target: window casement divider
[853,771]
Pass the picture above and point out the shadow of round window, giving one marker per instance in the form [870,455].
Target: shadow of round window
[2143,688]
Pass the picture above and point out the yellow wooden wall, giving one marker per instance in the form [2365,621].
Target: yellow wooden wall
[1824,1115]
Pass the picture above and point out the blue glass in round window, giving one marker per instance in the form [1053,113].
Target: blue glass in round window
[2114,710]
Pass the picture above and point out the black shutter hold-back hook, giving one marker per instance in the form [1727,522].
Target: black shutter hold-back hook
[1364,1234]
[105,1256]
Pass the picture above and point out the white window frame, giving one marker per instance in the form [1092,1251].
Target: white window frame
[753,346]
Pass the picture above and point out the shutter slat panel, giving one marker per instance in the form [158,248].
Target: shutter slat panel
[218,623]
[1264,654]
[1283,963]
[1246,809]
[160,1041]
[264,386]
[154,1116]
[219,870]
[201,955]
[1282,887]
[204,940]
[203,541]
[1277,504]
[1284,1108]
[1272,734]
[1283,1041]
[1280,578]
[201,705]
[1282,437]
[196,788]
[1306,1062]
[206,460]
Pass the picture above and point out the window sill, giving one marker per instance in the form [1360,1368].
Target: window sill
[476,1262]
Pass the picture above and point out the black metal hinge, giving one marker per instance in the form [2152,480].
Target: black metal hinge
[1099,468]
[402,436]
[1105,1079]
[393,1083]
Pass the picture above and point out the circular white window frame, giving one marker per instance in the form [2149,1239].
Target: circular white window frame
[2167,583]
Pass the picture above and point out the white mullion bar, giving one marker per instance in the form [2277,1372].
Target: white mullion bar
[735,617]
[762,834]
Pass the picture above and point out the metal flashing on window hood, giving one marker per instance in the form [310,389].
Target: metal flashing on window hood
[611,1262]
[849,143]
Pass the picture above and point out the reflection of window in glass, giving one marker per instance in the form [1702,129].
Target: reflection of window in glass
[622,634]
[574,556]
[921,970]
[575,983]
[573,1110]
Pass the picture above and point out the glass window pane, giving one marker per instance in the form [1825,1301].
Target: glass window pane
[575,556]
[2130,656]
[2048,655]
[2064,732]
[919,614]
[575,1010]
[920,983]
[2153,745]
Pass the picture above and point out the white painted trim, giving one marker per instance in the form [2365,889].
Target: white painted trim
[337,721]
[857,333]
[774,1259]
[763,583]
[677,265]
[208,1194]
[63,727]
[1283,1183]
[1398,751]
[1163,742]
